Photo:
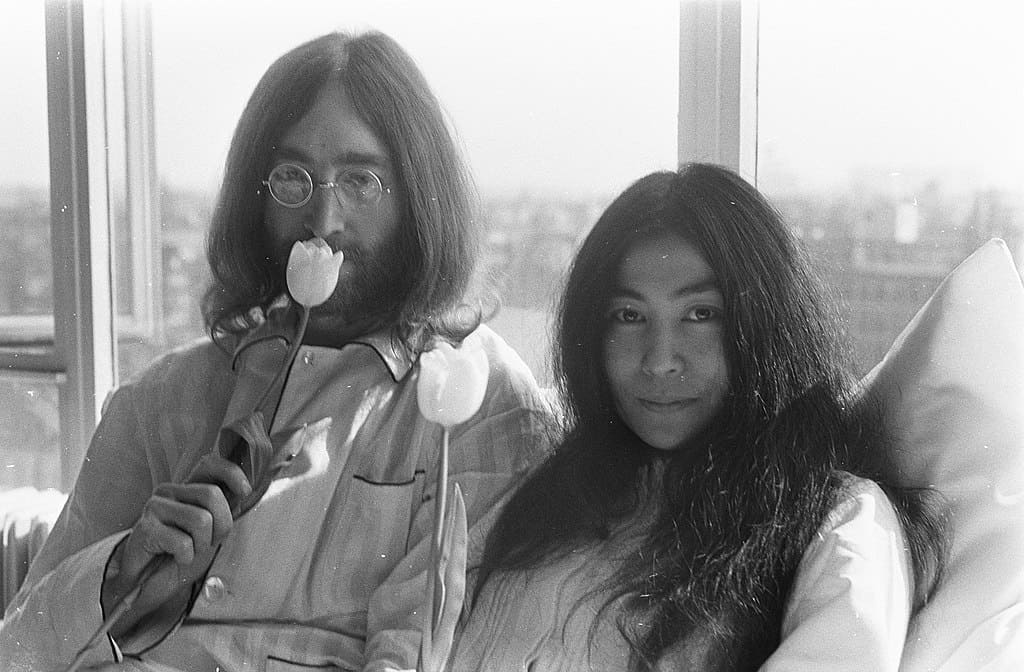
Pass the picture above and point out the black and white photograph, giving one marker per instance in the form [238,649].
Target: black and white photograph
[494,336]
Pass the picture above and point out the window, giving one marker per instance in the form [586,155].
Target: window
[885,132]
[57,353]
[891,166]
[29,428]
[889,135]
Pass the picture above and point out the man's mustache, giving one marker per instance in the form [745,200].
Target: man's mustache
[353,252]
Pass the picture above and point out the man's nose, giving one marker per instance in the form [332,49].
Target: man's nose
[329,212]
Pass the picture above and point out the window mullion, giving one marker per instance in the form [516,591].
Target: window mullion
[83,323]
[718,83]
[143,212]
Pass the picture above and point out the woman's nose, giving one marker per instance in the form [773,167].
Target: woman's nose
[663,356]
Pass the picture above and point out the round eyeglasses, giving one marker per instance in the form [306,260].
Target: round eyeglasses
[292,186]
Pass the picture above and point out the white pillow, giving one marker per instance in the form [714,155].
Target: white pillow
[953,386]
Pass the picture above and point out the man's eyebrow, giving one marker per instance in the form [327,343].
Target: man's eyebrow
[371,158]
[345,158]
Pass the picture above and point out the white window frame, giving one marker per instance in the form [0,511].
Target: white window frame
[83,355]
[142,194]
[81,360]
[718,83]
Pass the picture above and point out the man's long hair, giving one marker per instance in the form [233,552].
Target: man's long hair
[737,505]
[392,97]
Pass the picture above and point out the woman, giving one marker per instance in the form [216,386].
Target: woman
[718,502]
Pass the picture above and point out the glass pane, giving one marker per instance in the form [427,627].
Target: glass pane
[559,107]
[29,433]
[29,430]
[26,291]
[889,135]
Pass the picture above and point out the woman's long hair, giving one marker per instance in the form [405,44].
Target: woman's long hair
[392,97]
[738,504]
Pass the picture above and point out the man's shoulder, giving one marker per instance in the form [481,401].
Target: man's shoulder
[513,385]
[522,411]
[199,359]
[506,366]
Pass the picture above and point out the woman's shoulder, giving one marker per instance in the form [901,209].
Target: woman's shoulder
[860,505]
[851,597]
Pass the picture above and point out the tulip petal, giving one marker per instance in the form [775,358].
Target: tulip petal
[312,272]
[452,382]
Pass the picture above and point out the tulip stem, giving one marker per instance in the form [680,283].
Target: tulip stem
[156,563]
[440,507]
[293,351]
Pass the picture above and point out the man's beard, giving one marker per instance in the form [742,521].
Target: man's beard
[371,290]
[375,288]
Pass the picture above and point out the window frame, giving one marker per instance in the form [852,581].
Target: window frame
[83,353]
[718,54]
[142,199]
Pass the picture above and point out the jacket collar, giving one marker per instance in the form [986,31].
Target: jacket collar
[281,323]
[395,355]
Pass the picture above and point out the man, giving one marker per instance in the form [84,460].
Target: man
[342,140]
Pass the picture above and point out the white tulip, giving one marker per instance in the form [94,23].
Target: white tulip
[452,382]
[313,271]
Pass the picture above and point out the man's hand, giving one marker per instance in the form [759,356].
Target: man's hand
[184,522]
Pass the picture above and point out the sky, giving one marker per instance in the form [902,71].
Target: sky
[910,87]
[581,96]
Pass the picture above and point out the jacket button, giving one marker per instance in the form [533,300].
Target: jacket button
[214,589]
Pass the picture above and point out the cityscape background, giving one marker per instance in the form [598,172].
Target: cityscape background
[882,257]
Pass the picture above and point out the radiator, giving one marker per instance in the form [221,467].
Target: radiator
[26,516]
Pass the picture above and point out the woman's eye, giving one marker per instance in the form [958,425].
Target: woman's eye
[627,315]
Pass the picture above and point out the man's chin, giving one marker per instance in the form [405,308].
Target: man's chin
[336,309]
[347,313]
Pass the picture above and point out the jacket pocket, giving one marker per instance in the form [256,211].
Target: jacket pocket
[283,664]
